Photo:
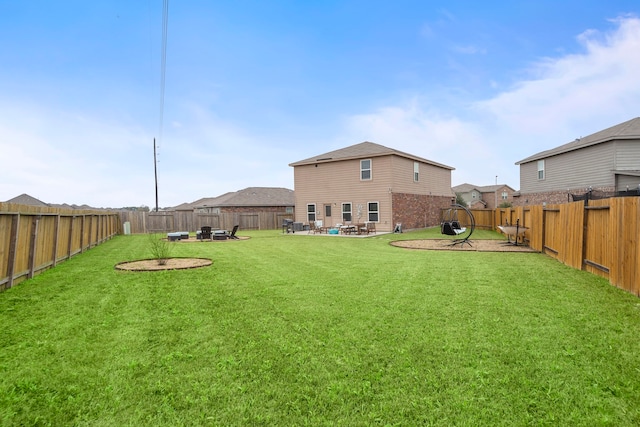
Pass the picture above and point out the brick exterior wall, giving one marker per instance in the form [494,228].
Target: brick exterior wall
[553,197]
[418,211]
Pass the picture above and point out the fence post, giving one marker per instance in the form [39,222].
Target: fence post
[82,234]
[13,248]
[32,246]
[56,226]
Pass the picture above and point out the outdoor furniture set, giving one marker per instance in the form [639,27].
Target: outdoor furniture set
[348,229]
[178,235]
[208,233]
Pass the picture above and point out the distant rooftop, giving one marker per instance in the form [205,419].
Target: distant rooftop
[626,130]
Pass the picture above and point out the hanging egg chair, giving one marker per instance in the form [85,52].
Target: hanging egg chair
[452,226]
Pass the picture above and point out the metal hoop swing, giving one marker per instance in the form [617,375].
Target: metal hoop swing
[450,225]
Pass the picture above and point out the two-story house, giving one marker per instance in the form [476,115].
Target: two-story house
[484,197]
[370,182]
[606,161]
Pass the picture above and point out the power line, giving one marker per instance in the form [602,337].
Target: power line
[163,61]
[163,73]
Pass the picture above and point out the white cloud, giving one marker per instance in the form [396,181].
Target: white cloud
[567,97]
[62,157]
[595,88]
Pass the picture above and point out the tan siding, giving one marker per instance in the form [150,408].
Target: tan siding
[433,180]
[335,183]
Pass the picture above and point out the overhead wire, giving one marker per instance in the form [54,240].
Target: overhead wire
[163,73]
[163,62]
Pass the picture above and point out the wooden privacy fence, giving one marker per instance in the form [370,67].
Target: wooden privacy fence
[484,218]
[163,222]
[33,239]
[601,237]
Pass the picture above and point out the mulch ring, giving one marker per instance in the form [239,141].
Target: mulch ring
[171,264]
[476,245]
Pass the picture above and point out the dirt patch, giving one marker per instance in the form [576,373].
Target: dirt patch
[172,264]
[476,245]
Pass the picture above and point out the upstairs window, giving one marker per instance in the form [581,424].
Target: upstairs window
[505,195]
[365,170]
[540,169]
[416,171]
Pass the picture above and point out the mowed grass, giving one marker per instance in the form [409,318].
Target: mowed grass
[318,330]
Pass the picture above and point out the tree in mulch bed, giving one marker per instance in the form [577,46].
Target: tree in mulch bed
[160,249]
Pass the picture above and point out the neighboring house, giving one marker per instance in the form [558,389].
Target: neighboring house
[25,199]
[487,197]
[251,199]
[606,161]
[370,182]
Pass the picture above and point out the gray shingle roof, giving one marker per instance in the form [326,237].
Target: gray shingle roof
[360,151]
[465,188]
[626,130]
[251,196]
[25,199]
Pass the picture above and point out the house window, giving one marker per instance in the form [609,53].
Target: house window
[311,212]
[474,195]
[505,195]
[540,169]
[416,171]
[289,209]
[346,212]
[365,170]
[327,211]
[373,212]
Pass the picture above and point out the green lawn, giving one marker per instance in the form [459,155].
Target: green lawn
[316,330]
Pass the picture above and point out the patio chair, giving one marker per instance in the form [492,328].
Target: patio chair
[319,228]
[233,232]
[369,227]
[205,232]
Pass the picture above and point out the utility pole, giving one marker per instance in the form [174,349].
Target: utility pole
[155,170]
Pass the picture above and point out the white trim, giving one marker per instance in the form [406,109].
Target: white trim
[314,212]
[369,169]
[376,212]
[350,212]
[541,169]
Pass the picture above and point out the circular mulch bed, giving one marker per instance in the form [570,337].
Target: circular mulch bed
[476,245]
[172,264]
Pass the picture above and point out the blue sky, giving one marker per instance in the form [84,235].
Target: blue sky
[252,86]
